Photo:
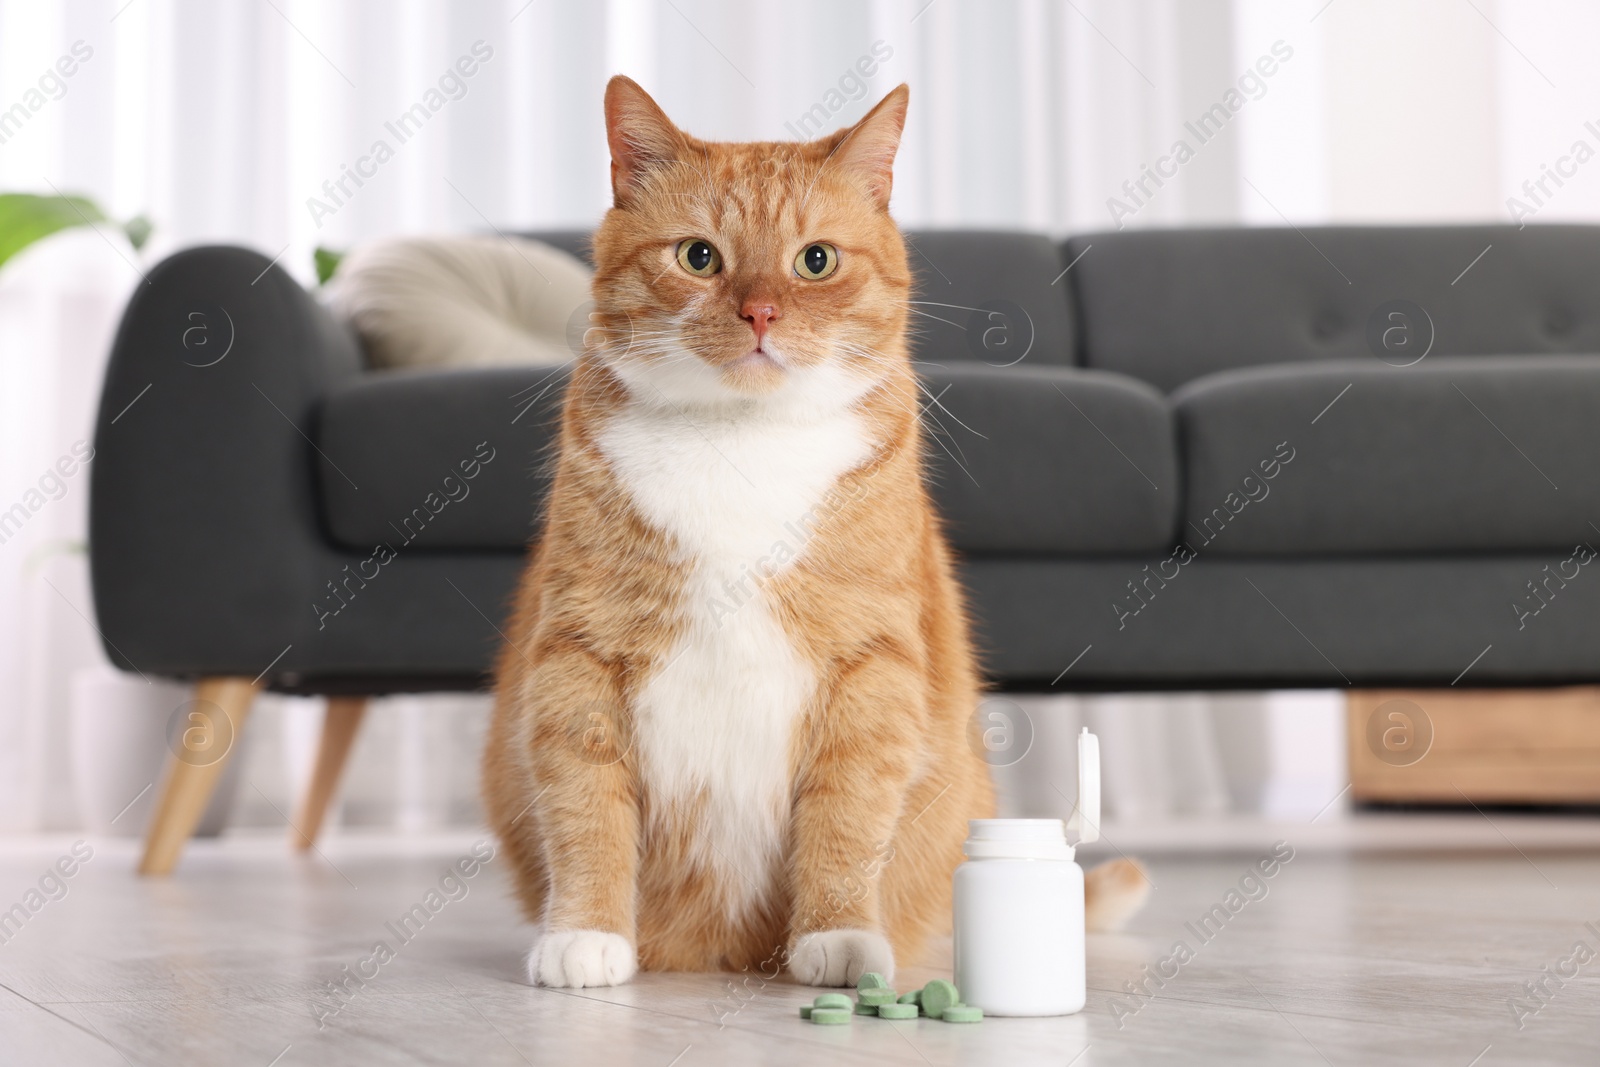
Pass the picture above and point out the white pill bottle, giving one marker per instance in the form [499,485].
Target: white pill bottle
[1019,906]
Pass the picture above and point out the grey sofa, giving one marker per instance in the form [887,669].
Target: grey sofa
[1193,459]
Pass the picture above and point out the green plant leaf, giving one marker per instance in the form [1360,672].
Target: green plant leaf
[138,230]
[26,218]
[327,261]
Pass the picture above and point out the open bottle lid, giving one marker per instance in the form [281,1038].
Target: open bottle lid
[1045,839]
[1084,824]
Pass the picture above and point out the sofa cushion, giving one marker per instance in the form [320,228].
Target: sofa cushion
[1168,306]
[1050,460]
[1024,460]
[1464,454]
[439,459]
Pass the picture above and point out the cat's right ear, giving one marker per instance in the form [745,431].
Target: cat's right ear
[641,136]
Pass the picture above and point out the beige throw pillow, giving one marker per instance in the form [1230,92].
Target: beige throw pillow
[460,301]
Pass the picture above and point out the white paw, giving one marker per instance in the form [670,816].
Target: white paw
[575,959]
[840,957]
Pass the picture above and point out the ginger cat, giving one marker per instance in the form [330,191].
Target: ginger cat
[731,723]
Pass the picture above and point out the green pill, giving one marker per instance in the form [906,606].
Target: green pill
[897,1011]
[876,997]
[913,997]
[833,1000]
[830,1016]
[872,980]
[805,1011]
[962,1013]
[863,1008]
[938,995]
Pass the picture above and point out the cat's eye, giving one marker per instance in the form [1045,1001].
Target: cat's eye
[816,261]
[698,258]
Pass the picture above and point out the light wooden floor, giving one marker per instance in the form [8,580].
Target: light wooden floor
[1349,959]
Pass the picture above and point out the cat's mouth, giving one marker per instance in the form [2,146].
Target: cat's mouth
[757,358]
[759,370]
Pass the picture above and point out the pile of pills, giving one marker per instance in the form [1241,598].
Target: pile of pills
[938,999]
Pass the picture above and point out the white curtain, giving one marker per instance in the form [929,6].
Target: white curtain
[1173,756]
[241,120]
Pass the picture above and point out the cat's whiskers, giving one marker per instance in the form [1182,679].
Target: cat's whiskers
[938,432]
[866,352]
[935,318]
[941,304]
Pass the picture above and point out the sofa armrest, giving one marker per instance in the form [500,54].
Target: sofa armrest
[205,544]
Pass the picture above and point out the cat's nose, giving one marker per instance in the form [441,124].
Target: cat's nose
[759,315]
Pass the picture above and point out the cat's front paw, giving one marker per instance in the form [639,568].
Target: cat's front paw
[576,959]
[840,957]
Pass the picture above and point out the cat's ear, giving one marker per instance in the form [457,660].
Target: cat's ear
[642,138]
[865,152]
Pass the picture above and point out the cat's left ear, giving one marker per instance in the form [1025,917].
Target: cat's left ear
[641,136]
[866,150]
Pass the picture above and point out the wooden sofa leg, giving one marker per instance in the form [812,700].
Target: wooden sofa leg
[205,745]
[339,726]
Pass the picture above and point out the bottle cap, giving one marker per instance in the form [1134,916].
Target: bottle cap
[1017,839]
[1045,839]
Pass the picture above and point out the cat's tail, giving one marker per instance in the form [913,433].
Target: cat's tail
[1112,892]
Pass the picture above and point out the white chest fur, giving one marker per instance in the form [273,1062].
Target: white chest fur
[737,493]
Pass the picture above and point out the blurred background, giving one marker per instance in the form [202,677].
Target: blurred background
[234,120]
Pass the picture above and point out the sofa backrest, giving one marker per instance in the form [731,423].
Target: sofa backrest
[575,242]
[990,296]
[1168,306]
